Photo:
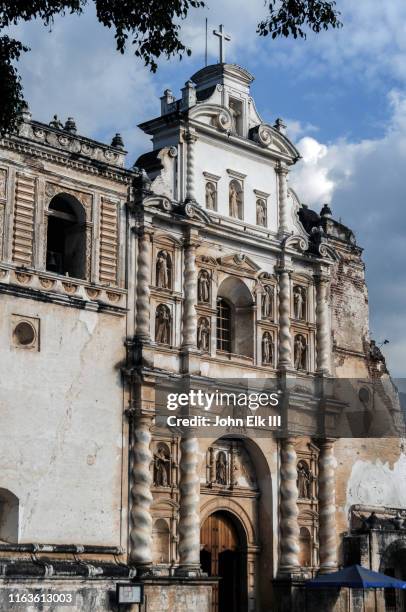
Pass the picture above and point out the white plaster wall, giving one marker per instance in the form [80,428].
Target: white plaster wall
[260,174]
[377,483]
[61,424]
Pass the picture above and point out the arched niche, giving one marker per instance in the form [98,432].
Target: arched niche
[9,516]
[160,542]
[66,237]
[305,547]
[235,293]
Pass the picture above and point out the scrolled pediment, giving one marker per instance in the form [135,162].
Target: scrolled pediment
[240,261]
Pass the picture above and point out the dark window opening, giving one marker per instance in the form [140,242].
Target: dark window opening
[223,326]
[66,237]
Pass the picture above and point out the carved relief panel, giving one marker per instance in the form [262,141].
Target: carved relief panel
[228,466]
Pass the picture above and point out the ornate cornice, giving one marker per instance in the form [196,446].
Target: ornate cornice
[62,158]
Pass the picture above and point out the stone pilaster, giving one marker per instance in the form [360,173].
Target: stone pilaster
[141,529]
[282,172]
[190,139]
[289,527]
[322,322]
[327,507]
[285,341]
[189,330]
[189,513]
[142,304]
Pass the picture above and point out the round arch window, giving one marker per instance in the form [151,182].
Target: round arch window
[24,334]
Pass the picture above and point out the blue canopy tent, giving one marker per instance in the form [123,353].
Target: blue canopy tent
[355,577]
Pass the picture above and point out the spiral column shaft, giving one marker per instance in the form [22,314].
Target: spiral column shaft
[190,168]
[282,172]
[189,514]
[289,560]
[141,531]
[285,342]
[327,508]
[322,323]
[142,319]
[189,334]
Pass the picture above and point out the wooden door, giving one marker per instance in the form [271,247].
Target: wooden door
[221,556]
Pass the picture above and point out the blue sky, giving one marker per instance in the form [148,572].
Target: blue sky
[342,93]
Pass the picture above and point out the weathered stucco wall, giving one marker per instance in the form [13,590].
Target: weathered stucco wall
[61,432]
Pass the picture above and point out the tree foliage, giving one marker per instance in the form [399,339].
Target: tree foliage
[152,27]
[291,17]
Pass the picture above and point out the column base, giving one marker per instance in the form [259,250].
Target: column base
[189,571]
[328,570]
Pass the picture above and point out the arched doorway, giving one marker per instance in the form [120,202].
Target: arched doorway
[223,554]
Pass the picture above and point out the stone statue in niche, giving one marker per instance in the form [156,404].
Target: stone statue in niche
[203,288]
[267,303]
[299,302]
[304,480]
[163,266]
[235,200]
[162,324]
[221,469]
[211,196]
[300,349]
[203,334]
[235,112]
[161,467]
[267,349]
[261,212]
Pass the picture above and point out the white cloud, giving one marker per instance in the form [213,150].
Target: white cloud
[365,183]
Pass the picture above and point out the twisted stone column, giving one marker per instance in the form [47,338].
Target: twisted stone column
[289,560]
[189,330]
[327,507]
[190,167]
[141,531]
[285,342]
[189,515]
[282,172]
[322,322]
[142,321]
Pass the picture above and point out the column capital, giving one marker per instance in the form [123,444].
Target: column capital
[281,168]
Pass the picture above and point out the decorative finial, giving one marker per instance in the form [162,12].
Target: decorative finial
[25,113]
[326,211]
[55,123]
[70,125]
[280,125]
[117,141]
[222,38]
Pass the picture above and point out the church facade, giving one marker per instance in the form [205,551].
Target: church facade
[197,269]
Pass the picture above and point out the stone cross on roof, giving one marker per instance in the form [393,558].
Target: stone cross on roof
[222,38]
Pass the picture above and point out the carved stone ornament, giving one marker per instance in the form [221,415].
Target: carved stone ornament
[300,350]
[221,468]
[162,324]
[162,460]
[47,283]
[203,286]
[113,297]
[304,480]
[69,287]
[23,277]
[203,334]
[224,121]
[262,134]
[92,293]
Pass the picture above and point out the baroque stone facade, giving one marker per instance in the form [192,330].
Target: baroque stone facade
[199,266]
